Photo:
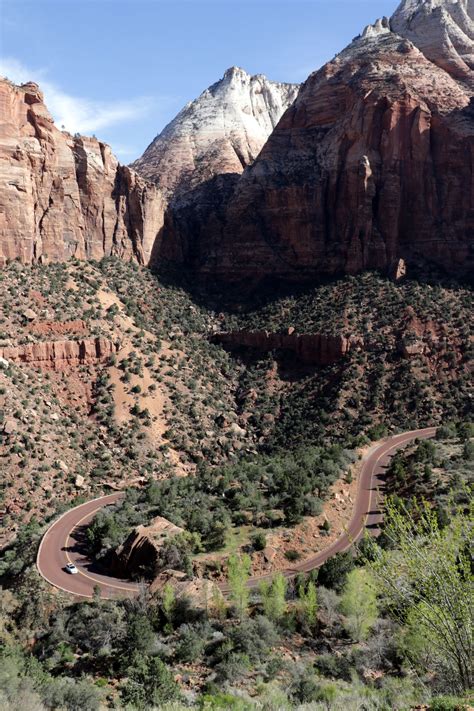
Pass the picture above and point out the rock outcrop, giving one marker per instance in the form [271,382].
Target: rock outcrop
[139,555]
[372,163]
[312,349]
[220,132]
[63,196]
[57,355]
[415,337]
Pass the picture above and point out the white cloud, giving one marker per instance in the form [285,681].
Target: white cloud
[76,114]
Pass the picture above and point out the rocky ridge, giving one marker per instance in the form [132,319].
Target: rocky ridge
[312,348]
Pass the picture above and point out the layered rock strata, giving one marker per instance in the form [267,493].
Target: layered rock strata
[373,163]
[58,355]
[65,196]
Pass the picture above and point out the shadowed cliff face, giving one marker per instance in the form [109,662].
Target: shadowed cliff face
[312,348]
[64,196]
[373,162]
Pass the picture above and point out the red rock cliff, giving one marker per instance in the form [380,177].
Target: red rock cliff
[60,354]
[373,162]
[64,196]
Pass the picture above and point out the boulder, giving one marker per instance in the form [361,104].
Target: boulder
[9,426]
[139,554]
[202,593]
[79,481]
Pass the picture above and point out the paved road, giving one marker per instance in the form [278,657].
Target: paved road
[63,542]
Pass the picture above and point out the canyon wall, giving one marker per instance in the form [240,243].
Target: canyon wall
[373,162]
[369,162]
[65,196]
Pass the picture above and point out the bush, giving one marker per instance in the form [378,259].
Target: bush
[304,687]
[150,683]
[335,666]
[254,637]
[333,573]
[222,702]
[446,432]
[259,541]
[71,695]
[192,641]
[232,667]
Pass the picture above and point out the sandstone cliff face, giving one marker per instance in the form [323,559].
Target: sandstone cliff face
[220,132]
[64,196]
[370,163]
[58,355]
[373,162]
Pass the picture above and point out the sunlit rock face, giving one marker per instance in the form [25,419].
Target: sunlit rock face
[63,196]
[443,30]
[220,132]
[372,163]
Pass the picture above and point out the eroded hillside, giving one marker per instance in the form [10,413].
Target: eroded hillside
[110,377]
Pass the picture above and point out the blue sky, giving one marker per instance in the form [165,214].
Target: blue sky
[121,69]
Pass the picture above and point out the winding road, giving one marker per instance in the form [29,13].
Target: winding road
[63,542]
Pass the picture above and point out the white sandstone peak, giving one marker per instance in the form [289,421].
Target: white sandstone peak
[235,72]
[442,29]
[222,131]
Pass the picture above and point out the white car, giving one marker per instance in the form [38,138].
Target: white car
[71,568]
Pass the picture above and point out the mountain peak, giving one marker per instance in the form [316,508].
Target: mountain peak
[235,72]
[222,131]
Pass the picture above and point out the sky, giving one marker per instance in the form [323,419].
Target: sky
[122,69]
